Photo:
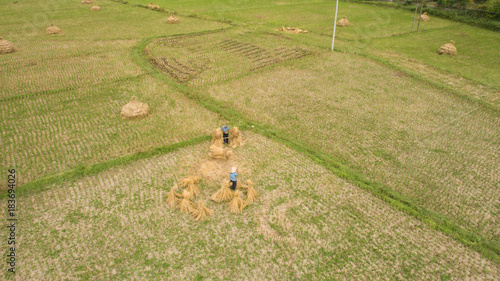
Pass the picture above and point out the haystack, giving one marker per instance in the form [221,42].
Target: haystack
[173,198]
[153,6]
[343,22]
[191,180]
[193,189]
[172,19]
[424,17]
[6,46]
[220,153]
[95,8]
[217,138]
[235,139]
[86,1]
[186,206]
[252,194]
[201,212]
[134,108]
[236,205]
[448,49]
[293,30]
[224,193]
[52,29]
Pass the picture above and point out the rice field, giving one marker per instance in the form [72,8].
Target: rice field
[92,186]
[433,147]
[307,224]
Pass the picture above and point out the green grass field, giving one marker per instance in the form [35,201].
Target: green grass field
[376,161]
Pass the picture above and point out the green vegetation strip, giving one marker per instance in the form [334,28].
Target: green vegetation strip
[490,249]
[81,171]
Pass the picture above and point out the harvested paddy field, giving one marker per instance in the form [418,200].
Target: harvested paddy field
[307,224]
[376,161]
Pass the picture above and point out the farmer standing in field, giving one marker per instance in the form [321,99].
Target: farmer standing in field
[225,133]
[232,177]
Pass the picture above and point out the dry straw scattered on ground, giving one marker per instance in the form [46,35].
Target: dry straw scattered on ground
[52,29]
[217,152]
[448,49]
[134,109]
[95,8]
[153,6]
[6,46]
[343,22]
[292,30]
[172,19]
[86,1]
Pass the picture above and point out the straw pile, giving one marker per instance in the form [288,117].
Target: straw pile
[424,17]
[191,180]
[173,198]
[172,19]
[6,46]
[186,206]
[217,137]
[448,49]
[52,29]
[235,139]
[293,30]
[153,6]
[95,8]
[220,153]
[134,108]
[236,205]
[252,194]
[224,193]
[86,1]
[201,212]
[343,22]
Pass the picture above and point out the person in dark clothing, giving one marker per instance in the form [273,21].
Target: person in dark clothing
[232,177]
[225,133]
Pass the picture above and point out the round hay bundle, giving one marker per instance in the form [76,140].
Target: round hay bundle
[173,198]
[220,153]
[86,1]
[217,137]
[448,49]
[236,205]
[224,193]
[252,194]
[343,22]
[172,19]
[52,29]
[201,212]
[134,109]
[187,181]
[95,8]
[424,17]
[186,206]
[6,46]
[235,139]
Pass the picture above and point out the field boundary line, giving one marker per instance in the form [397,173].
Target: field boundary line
[488,248]
[41,184]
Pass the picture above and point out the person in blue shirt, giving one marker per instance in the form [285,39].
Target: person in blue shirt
[225,133]
[232,177]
